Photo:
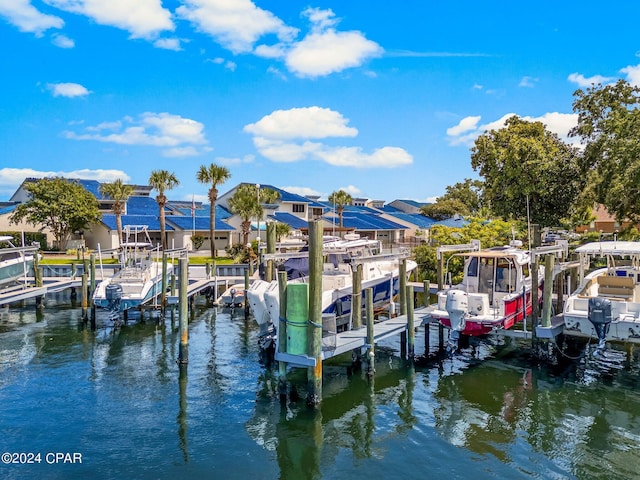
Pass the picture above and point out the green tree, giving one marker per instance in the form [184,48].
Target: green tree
[524,163]
[491,234]
[63,206]
[161,181]
[463,198]
[119,192]
[340,199]
[213,175]
[246,205]
[282,230]
[609,125]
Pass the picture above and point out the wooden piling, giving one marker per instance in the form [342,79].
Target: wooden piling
[246,288]
[183,318]
[314,337]
[92,288]
[356,298]
[368,300]
[163,294]
[547,298]
[85,290]
[535,298]
[402,294]
[282,335]
[411,332]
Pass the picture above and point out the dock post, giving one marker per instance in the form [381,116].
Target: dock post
[314,337]
[560,282]
[246,287]
[36,270]
[426,293]
[368,299]
[271,248]
[535,299]
[173,294]
[92,288]
[548,290]
[402,294]
[163,294]
[282,336]
[85,290]
[356,298]
[183,316]
[411,332]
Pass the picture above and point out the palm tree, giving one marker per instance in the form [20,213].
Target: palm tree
[162,180]
[213,175]
[119,193]
[246,205]
[340,199]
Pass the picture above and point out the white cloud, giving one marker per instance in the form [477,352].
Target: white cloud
[285,136]
[307,122]
[62,41]
[229,161]
[168,44]
[141,18]
[584,82]
[162,130]
[68,90]
[351,190]
[633,74]
[325,50]
[386,157]
[27,18]
[303,191]
[12,178]
[236,25]
[466,124]
[528,82]
[468,129]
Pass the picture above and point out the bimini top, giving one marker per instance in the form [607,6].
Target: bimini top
[516,254]
[610,248]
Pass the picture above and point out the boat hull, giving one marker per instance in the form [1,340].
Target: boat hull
[135,292]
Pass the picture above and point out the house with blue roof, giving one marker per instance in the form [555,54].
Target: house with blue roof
[393,223]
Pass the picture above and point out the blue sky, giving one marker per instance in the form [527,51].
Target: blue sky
[382,101]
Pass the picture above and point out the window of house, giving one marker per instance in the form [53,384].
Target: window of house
[298,208]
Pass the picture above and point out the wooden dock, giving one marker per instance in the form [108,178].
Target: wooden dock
[353,339]
[29,290]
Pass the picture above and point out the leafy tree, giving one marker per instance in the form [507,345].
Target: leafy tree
[445,208]
[524,162]
[340,199]
[119,192]
[490,233]
[214,175]
[63,206]
[609,125]
[463,198]
[245,204]
[161,181]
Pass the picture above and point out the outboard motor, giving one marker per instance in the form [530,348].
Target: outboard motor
[599,315]
[113,294]
[457,306]
[232,292]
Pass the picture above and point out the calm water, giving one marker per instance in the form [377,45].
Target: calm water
[117,399]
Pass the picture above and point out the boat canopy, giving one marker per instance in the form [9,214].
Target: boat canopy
[614,247]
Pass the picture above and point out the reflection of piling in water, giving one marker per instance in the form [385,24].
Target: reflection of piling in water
[182,412]
[183,318]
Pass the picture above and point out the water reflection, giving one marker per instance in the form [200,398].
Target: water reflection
[489,405]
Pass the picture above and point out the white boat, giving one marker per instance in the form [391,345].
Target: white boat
[495,292]
[380,272]
[140,279]
[606,303]
[15,262]
[232,297]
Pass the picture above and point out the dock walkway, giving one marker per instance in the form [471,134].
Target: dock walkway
[353,339]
